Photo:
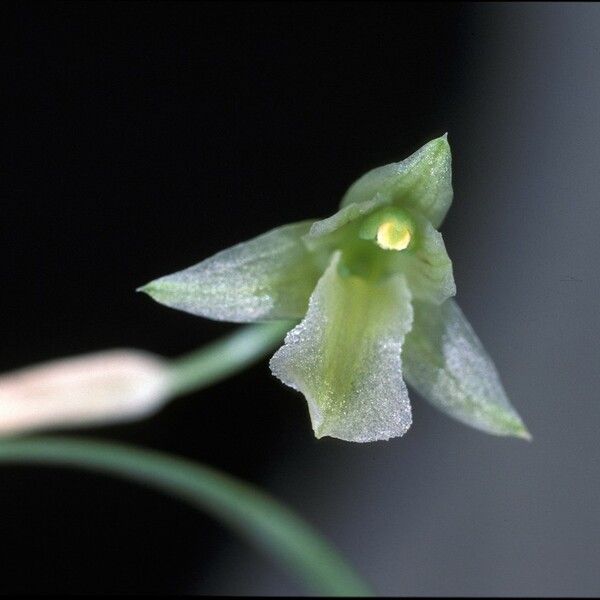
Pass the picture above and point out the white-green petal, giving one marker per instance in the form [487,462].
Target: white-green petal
[345,357]
[446,363]
[268,277]
[346,215]
[427,266]
[423,182]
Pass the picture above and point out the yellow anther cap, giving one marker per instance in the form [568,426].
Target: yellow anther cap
[392,235]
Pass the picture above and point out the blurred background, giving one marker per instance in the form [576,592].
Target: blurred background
[143,137]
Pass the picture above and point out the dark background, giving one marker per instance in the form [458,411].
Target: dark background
[143,137]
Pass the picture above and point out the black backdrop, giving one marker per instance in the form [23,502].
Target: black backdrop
[140,138]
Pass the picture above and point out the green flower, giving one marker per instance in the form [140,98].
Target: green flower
[371,286]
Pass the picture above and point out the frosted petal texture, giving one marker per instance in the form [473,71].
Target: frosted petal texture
[345,357]
[446,363]
[268,277]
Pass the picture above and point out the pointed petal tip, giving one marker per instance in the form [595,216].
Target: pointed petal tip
[152,290]
[441,143]
[145,289]
[437,149]
[524,434]
[162,292]
[515,428]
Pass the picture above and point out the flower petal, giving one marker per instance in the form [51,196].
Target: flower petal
[423,182]
[345,357]
[346,215]
[446,363]
[426,265]
[268,277]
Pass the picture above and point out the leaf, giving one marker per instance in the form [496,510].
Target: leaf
[265,523]
[422,182]
[345,357]
[446,363]
[269,277]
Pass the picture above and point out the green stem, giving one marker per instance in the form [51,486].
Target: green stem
[224,357]
[259,518]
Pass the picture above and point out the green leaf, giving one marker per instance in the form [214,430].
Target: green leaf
[426,265]
[269,277]
[422,182]
[345,357]
[264,522]
[446,363]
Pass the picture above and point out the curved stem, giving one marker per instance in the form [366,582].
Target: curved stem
[260,519]
[218,360]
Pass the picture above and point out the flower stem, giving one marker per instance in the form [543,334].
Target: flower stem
[260,519]
[218,360]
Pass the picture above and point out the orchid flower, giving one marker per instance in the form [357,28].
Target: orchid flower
[371,287]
